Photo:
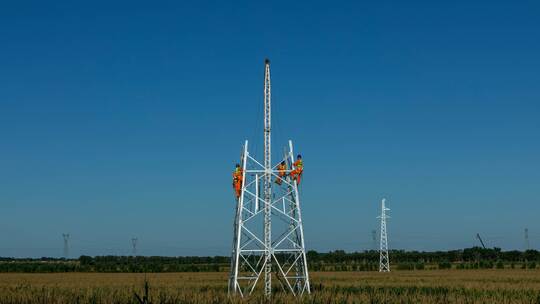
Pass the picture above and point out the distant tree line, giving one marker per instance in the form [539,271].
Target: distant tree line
[468,258]
[339,260]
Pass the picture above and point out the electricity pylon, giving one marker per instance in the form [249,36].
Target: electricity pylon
[257,254]
[384,260]
[527,245]
[66,244]
[374,238]
[134,246]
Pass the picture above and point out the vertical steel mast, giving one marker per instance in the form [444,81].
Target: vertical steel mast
[384,260]
[267,179]
[268,240]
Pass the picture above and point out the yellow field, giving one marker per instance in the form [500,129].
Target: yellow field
[436,286]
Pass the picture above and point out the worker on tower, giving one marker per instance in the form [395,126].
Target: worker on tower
[238,177]
[282,171]
[298,169]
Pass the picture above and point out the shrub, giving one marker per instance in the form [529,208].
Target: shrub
[405,266]
[448,265]
[445,265]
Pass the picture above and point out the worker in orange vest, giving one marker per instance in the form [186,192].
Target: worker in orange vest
[238,176]
[298,169]
[282,171]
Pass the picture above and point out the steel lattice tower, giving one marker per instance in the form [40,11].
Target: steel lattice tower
[134,246]
[258,256]
[374,237]
[66,244]
[527,245]
[384,260]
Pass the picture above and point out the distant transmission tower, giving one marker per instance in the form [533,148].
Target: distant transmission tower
[66,245]
[268,230]
[384,260]
[527,245]
[134,246]
[374,239]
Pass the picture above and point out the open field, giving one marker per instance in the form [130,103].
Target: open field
[437,286]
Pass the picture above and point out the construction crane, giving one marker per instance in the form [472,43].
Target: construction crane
[480,239]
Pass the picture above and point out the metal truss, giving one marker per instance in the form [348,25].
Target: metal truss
[384,259]
[268,233]
[287,250]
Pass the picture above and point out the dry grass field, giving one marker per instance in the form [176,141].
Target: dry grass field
[437,286]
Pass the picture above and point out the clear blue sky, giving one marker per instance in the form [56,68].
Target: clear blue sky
[126,119]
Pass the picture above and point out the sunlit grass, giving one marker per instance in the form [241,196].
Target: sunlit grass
[443,286]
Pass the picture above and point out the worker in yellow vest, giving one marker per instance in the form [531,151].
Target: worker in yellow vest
[298,165]
[282,171]
[238,177]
